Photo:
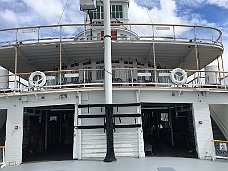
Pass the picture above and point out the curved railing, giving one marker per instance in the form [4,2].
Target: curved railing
[124,77]
[151,32]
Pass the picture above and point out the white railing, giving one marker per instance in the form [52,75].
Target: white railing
[121,77]
[138,32]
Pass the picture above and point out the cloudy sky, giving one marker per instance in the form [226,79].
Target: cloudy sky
[18,13]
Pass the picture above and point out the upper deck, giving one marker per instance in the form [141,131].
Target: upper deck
[142,54]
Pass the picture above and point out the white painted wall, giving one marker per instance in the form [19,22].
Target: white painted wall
[203,132]
[199,99]
[126,140]
[14,106]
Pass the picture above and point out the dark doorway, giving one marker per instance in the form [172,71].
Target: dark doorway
[48,133]
[3,116]
[168,130]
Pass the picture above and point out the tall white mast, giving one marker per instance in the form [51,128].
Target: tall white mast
[107,53]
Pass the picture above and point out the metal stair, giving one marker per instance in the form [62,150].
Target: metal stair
[217,133]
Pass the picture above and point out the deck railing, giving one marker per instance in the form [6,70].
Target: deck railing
[128,77]
[138,32]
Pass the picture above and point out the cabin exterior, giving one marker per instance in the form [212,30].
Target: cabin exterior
[165,93]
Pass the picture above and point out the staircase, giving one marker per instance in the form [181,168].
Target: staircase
[217,133]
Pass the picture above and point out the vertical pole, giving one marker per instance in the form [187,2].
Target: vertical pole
[107,53]
[171,126]
[46,129]
[15,67]
[224,76]
[218,73]
[60,57]
[38,38]
[16,61]
[110,155]
[155,66]
[197,63]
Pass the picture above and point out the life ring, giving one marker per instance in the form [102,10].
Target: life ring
[178,76]
[40,79]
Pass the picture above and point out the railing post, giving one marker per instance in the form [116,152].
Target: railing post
[194,33]
[212,34]
[174,36]
[60,56]
[38,35]
[15,67]
[153,30]
[84,77]
[132,80]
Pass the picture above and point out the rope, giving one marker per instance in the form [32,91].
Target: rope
[62,12]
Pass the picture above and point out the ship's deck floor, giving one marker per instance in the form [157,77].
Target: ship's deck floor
[124,164]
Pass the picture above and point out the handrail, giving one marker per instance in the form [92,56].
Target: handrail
[219,141]
[121,77]
[41,34]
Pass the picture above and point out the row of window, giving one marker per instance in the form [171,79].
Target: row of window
[116,11]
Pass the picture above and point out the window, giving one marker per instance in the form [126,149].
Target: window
[98,13]
[117,11]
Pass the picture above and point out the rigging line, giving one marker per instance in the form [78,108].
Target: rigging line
[63,11]
[148,14]
[61,15]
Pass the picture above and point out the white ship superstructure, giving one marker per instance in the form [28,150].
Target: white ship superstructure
[166,98]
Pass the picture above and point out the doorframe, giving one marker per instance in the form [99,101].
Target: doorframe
[77,132]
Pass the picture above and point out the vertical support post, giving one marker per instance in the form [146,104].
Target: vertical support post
[223,69]
[219,78]
[46,130]
[110,155]
[60,57]
[38,35]
[197,63]
[155,65]
[171,126]
[107,53]
[174,36]
[15,67]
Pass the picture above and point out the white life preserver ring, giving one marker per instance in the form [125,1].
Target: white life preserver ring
[178,76]
[40,79]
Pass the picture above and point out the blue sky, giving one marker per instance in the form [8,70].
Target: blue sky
[19,13]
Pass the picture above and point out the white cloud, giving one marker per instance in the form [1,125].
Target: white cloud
[48,10]
[9,16]
[166,13]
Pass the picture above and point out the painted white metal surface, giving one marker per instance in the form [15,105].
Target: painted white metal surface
[199,99]
[4,80]
[211,77]
[126,140]
[107,53]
